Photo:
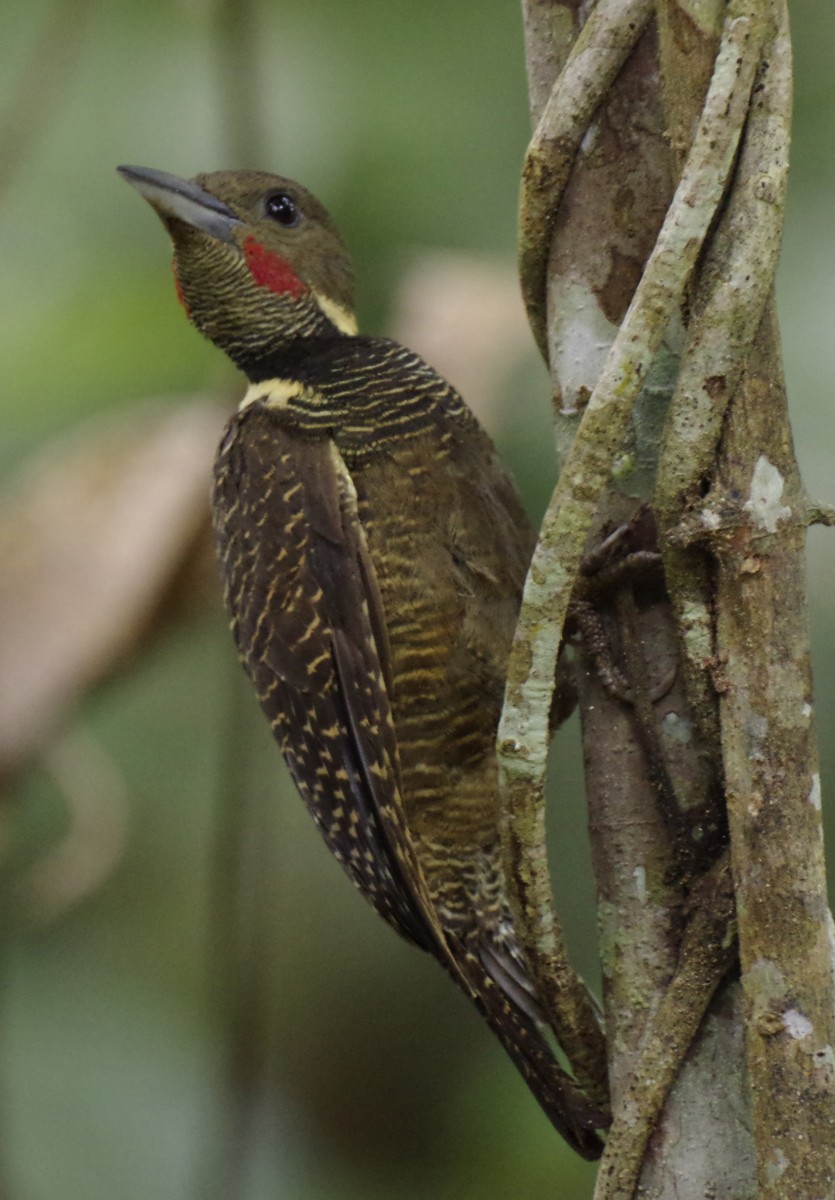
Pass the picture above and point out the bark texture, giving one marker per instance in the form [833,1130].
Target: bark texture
[650,219]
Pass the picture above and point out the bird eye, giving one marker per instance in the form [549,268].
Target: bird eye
[283,208]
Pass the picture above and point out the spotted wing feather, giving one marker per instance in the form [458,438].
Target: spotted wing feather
[306,618]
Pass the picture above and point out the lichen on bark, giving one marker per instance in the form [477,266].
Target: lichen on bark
[650,300]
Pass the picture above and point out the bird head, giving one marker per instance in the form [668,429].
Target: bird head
[258,262]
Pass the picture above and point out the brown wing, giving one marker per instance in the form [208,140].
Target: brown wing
[306,617]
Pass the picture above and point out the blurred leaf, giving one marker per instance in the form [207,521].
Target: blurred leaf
[93,538]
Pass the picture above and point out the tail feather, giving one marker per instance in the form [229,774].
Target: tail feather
[510,978]
[511,1019]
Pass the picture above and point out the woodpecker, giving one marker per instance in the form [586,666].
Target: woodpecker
[373,552]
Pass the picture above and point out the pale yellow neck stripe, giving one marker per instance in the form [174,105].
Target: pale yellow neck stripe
[275,393]
[342,318]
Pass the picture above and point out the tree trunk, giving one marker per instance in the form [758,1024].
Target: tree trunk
[650,220]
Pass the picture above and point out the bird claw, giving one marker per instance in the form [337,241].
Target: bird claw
[611,565]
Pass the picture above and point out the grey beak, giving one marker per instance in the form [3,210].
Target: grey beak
[185,201]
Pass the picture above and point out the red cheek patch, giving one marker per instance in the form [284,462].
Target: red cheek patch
[271,271]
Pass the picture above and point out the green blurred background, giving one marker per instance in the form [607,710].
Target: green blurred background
[411,125]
